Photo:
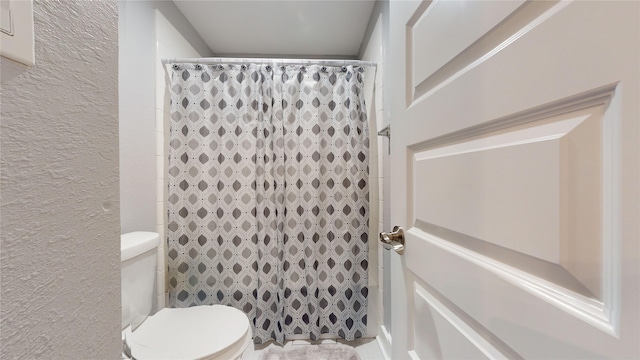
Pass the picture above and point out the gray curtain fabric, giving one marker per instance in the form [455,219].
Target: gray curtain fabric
[268,196]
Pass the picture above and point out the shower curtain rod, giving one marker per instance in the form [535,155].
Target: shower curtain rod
[271,61]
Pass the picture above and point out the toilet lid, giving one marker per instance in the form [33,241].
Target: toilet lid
[189,333]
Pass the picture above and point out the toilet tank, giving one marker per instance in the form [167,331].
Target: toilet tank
[138,275]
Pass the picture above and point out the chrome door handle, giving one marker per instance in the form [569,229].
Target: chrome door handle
[393,240]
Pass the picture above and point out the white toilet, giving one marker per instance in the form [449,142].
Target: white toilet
[200,332]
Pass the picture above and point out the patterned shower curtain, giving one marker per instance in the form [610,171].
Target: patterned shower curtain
[268,196]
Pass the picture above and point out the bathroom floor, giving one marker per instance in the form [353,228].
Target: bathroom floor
[367,348]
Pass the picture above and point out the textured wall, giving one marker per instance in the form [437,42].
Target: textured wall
[137,78]
[60,254]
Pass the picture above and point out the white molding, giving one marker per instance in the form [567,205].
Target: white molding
[523,30]
[460,325]
[540,133]
[381,348]
[386,333]
[413,355]
[586,309]
[611,217]
[599,96]
[384,342]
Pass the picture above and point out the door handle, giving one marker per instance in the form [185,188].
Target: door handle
[393,240]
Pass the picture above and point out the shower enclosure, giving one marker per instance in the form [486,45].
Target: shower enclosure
[268,194]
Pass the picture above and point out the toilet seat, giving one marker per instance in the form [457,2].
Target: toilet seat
[199,332]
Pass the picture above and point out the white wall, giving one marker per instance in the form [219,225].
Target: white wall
[373,51]
[137,85]
[170,44]
[59,196]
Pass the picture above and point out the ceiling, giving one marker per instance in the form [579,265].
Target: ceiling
[294,28]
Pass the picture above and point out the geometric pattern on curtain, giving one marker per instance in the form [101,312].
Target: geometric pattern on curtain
[268,201]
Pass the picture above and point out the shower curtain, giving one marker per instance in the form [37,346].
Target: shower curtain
[268,201]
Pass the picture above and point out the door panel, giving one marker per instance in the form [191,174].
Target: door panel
[460,23]
[515,163]
[441,333]
[510,186]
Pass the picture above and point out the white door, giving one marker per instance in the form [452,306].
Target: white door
[514,162]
